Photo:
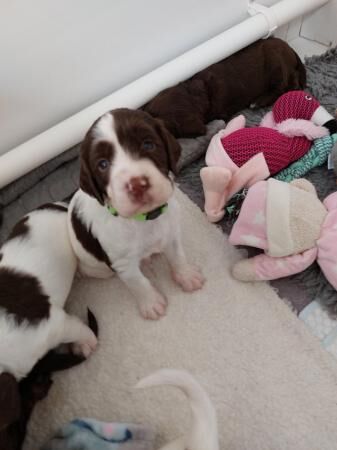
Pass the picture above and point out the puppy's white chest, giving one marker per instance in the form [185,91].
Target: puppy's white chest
[154,242]
[136,240]
[125,242]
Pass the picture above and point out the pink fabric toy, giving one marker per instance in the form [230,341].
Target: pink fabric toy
[291,225]
[238,157]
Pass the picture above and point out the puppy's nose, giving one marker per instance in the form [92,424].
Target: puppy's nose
[137,187]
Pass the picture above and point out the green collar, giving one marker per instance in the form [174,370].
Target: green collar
[143,217]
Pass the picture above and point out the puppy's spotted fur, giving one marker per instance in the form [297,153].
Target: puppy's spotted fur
[127,161]
[37,267]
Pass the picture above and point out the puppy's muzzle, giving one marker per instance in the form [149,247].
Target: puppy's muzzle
[137,188]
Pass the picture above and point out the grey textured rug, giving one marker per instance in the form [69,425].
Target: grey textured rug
[300,289]
[272,385]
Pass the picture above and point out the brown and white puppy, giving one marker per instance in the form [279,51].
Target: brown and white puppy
[253,77]
[21,398]
[37,267]
[126,162]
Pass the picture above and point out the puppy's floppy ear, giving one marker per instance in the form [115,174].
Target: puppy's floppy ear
[172,146]
[10,402]
[88,183]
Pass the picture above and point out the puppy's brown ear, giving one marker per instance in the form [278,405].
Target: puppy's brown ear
[172,146]
[88,183]
[10,402]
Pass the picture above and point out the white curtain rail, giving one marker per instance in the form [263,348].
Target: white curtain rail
[69,132]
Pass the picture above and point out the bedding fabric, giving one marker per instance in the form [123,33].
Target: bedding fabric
[272,385]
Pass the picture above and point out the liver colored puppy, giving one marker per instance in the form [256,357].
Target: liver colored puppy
[255,76]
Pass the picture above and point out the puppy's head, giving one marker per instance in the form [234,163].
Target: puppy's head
[126,160]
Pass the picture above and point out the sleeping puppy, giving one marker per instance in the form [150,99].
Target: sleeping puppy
[37,266]
[125,209]
[203,431]
[20,398]
[255,76]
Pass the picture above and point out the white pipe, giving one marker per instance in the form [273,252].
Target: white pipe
[69,132]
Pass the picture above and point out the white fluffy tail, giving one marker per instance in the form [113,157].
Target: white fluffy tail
[203,433]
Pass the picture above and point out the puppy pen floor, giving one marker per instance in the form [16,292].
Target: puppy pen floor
[305,293]
[264,371]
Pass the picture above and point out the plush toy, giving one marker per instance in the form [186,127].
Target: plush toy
[238,157]
[315,157]
[291,225]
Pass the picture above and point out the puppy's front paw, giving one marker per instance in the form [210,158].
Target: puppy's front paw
[153,307]
[87,346]
[189,278]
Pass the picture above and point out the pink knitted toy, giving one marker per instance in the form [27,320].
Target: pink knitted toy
[238,157]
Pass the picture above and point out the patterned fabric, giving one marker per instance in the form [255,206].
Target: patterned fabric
[294,105]
[279,150]
[91,434]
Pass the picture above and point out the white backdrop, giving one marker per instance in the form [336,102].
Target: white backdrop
[59,56]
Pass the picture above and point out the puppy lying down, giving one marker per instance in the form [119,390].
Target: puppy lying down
[203,432]
[21,398]
[37,267]
[254,76]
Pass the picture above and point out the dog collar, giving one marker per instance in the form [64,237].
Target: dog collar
[143,217]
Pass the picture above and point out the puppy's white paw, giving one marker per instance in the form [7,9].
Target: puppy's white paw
[189,278]
[153,307]
[87,346]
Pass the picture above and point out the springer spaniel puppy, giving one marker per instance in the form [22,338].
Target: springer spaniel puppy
[21,398]
[125,209]
[37,267]
[254,76]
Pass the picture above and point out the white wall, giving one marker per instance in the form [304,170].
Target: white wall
[321,25]
[313,33]
[59,56]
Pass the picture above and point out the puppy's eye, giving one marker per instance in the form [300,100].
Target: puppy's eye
[307,97]
[148,145]
[103,164]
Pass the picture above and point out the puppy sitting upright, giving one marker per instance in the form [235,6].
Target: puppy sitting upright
[125,209]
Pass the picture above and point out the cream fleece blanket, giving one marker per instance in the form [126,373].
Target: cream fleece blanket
[272,385]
